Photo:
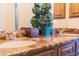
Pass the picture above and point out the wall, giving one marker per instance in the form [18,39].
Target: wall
[7,15]
[10,16]
[25,14]
[2,16]
[67,22]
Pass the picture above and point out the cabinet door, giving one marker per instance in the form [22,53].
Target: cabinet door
[68,50]
[59,10]
[73,10]
[77,48]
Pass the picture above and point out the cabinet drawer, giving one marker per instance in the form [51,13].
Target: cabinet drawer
[68,50]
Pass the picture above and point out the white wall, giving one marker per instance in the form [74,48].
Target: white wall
[73,23]
[10,16]
[7,15]
[2,16]
[67,22]
[25,14]
[62,23]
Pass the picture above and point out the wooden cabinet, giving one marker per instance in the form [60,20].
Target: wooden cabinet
[59,10]
[52,52]
[67,50]
[73,10]
[77,48]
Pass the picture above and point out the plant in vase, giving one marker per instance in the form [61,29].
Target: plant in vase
[43,18]
[36,19]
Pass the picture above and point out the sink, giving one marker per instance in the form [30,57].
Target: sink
[16,44]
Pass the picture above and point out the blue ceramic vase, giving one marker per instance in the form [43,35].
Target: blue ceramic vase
[46,31]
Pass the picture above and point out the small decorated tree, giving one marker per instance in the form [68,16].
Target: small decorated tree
[42,18]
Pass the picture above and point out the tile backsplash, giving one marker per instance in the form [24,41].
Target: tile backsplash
[67,30]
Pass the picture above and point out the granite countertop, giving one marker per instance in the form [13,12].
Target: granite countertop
[41,45]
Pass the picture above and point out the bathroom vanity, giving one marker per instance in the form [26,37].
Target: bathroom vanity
[67,47]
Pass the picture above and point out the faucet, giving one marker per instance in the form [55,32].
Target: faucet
[61,31]
[14,36]
[60,34]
